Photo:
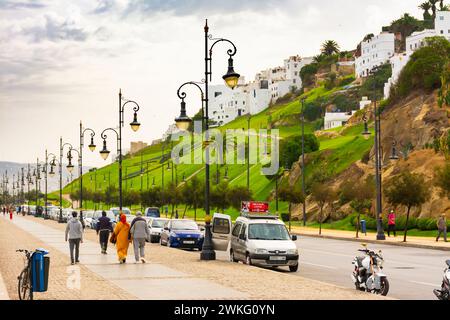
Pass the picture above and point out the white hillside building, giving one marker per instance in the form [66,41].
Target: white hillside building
[255,96]
[226,104]
[374,52]
[414,42]
[442,24]
[338,119]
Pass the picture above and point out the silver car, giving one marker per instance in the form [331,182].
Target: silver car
[258,240]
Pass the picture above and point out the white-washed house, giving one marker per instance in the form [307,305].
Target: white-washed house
[374,52]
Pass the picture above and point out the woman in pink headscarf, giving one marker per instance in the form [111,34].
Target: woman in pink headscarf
[120,234]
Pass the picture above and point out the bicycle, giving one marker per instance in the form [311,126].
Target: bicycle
[25,286]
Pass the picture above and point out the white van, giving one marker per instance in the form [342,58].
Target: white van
[259,239]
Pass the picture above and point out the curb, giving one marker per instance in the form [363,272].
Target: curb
[399,244]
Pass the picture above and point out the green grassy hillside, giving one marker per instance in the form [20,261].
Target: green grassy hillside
[285,117]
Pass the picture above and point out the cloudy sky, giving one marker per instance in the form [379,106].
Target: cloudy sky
[64,61]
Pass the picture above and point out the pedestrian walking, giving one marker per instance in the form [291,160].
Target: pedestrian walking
[120,236]
[391,223]
[140,233]
[10,213]
[103,228]
[442,227]
[74,233]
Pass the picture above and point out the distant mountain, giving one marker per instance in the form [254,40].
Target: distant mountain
[14,168]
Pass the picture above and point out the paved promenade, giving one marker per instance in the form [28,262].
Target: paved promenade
[169,273]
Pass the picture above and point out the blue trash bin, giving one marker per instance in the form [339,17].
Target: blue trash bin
[40,265]
[363,227]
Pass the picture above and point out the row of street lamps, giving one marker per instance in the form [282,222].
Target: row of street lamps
[182,122]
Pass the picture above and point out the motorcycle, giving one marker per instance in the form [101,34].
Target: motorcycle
[444,292]
[367,275]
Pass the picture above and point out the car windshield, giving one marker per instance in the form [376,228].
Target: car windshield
[267,231]
[158,223]
[110,215]
[184,225]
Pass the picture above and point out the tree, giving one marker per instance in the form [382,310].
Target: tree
[111,195]
[151,197]
[433,4]
[307,74]
[292,196]
[238,194]
[218,198]
[322,194]
[442,179]
[424,70]
[426,6]
[407,189]
[131,197]
[291,148]
[330,47]
[360,195]
[172,196]
[193,194]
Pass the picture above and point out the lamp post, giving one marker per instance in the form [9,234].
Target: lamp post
[183,121]
[70,168]
[134,126]
[61,152]
[248,151]
[91,147]
[29,181]
[303,158]
[378,180]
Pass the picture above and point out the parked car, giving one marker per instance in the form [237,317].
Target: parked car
[67,214]
[156,226]
[256,240]
[152,212]
[116,211]
[87,217]
[32,210]
[181,233]
[98,214]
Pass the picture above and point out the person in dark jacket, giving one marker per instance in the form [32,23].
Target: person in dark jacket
[103,228]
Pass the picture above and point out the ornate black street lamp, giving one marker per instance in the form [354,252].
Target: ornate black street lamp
[231,79]
[378,154]
[53,163]
[91,147]
[134,126]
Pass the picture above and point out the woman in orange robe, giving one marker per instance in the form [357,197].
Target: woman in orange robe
[121,232]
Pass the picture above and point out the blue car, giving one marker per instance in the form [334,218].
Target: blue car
[184,234]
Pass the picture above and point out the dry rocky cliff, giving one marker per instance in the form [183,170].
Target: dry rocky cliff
[414,123]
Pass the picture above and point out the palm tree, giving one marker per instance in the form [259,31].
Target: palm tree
[434,7]
[330,47]
[426,6]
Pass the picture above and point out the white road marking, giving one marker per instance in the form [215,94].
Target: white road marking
[426,284]
[318,265]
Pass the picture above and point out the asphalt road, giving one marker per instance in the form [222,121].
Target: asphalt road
[413,273]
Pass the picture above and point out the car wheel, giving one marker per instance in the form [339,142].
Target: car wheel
[248,261]
[232,257]
[293,268]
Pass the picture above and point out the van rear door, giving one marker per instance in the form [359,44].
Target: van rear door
[221,231]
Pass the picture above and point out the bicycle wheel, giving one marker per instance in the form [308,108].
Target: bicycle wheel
[24,286]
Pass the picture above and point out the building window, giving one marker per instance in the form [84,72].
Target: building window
[442,18]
